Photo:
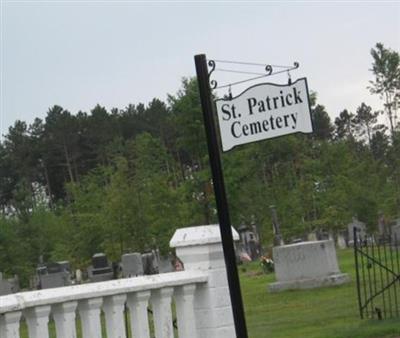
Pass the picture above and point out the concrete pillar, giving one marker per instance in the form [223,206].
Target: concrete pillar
[200,248]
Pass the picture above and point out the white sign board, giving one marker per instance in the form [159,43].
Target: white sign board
[264,111]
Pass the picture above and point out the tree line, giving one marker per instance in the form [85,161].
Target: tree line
[123,180]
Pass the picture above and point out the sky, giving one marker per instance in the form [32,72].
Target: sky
[77,54]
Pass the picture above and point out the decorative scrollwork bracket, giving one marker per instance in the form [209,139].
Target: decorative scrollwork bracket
[213,83]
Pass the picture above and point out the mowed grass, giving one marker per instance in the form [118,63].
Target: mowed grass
[317,313]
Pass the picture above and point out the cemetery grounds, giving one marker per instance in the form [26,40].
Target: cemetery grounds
[319,313]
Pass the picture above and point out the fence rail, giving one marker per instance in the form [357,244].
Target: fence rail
[112,298]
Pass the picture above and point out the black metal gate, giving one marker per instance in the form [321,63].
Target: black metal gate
[378,275]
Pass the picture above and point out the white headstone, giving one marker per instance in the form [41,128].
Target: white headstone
[341,241]
[312,236]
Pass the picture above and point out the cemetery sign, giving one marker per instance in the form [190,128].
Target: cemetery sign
[264,111]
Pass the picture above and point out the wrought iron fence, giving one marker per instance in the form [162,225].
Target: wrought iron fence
[378,275]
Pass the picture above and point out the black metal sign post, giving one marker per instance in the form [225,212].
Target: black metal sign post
[220,196]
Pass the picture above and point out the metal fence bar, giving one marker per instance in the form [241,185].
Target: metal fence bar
[374,273]
[397,266]
[365,306]
[394,285]
[381,278]
[357,271]
[396,245]
[385,248]
[369,266]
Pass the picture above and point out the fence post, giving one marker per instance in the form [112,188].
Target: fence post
[200,248]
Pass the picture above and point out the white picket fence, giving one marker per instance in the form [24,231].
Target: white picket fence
[200,294]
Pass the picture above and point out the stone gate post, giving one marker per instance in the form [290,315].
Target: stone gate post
[200,248]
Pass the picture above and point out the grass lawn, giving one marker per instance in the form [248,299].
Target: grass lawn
[318,313]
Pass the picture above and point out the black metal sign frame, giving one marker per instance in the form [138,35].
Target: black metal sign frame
[220,196]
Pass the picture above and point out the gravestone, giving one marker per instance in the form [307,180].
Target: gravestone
[382,226]
[361,230]
[5,286]
[132,265]
[306,265]
[78,276]
[395,233]
[322,235]
[100,261]
[312,236]
[54,275]
[165,265]
[65,266]
[100,270]
[341,241]
[8,286]
[150,263]
[249,241]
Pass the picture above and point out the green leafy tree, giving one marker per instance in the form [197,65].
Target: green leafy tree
[344,126]
[366,121]
[323,128]
[386,69]
[379,146]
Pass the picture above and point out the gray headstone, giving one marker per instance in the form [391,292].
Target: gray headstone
[54,275]
[8,286]
[5,287]
[54,268]
[361,230]
[382,227]
[165,265]
[15,284]
[306,265]
[249,240]
[101,276]
[132,265]
[322,235]
[395,230]
[253,248]
[41,270]
[150,264]
[65,266]
[54,280]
